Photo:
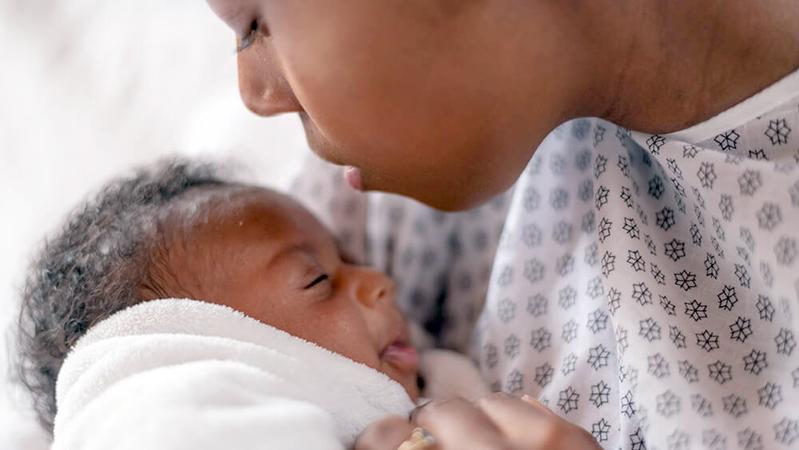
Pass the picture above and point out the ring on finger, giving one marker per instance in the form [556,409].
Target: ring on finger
[420,439]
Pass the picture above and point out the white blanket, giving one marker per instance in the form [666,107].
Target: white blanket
[182,374]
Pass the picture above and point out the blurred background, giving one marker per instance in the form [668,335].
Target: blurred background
[89,89]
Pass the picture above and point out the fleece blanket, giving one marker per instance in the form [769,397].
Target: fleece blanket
[181,374]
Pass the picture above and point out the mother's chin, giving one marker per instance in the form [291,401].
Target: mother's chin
[425,175]
[448,190]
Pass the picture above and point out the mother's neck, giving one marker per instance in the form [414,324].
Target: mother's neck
[669,65]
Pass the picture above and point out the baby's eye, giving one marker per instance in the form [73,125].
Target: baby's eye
[317,280]
[249,37]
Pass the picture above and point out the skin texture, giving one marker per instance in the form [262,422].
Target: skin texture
[446,100]
[261,253]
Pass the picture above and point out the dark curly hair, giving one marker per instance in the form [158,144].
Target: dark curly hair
[93,267]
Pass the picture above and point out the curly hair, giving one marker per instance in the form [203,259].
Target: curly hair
[93,267]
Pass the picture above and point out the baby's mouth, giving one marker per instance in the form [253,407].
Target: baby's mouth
[401,354]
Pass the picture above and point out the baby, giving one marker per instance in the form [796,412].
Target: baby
[180,231]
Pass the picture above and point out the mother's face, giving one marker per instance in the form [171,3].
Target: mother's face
[427,98]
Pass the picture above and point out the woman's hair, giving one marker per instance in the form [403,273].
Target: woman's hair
[93,267]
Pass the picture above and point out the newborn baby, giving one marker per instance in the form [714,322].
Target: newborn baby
[179,231]
[259,252]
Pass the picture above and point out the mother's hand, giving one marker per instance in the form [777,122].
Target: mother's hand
[386,434]
[499,421]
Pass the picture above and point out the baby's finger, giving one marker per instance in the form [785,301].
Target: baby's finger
[386,434]
[458,424]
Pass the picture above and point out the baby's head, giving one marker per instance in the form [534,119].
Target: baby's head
[180,231]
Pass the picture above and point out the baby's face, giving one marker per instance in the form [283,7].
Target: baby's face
[261,253]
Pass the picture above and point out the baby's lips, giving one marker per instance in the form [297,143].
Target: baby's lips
[402,356]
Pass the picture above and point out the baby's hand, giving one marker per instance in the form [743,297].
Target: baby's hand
[496,422]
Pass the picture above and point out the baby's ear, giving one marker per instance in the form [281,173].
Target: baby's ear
[158,280]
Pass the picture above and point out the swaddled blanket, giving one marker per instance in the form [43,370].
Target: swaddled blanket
[182,374]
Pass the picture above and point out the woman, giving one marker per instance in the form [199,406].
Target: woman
[644,288]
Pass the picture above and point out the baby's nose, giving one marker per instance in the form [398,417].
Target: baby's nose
[373,287]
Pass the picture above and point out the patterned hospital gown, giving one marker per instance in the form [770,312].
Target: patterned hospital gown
[644,287]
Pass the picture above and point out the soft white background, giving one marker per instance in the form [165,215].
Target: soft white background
[89,88]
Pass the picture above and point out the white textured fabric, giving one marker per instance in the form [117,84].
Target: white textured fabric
[183,374]
[644,286]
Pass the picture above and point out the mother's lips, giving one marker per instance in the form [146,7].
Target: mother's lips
[353,177]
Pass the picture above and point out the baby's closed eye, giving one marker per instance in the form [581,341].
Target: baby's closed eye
[320,279]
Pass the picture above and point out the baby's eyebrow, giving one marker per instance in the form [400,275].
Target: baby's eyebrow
[303,247]
[308,248]
[346,256]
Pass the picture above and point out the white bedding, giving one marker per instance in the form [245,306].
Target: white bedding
[212,377]
[89,88]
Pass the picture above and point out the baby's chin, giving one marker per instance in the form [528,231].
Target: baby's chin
[411,387]
[407,379]
[400,361]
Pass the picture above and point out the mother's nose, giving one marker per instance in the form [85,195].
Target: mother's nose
[263,88]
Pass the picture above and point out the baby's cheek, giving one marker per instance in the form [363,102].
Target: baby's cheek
[347,342]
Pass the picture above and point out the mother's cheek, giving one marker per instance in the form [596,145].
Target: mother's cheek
[361,73]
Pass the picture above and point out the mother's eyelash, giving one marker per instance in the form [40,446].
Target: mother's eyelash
[249,38]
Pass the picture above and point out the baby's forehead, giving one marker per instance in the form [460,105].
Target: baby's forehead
[242,209]
[217,202]
[219,233]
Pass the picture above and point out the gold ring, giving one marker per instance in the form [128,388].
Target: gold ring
[420,439]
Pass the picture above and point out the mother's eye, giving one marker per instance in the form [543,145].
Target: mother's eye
[317,280]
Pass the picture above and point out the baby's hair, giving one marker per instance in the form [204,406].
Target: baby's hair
[93,267]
